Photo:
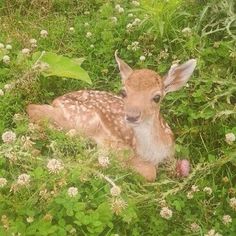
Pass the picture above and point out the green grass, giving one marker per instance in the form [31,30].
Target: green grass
[200,116]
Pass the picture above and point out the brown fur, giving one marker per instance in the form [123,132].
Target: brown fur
[138,80]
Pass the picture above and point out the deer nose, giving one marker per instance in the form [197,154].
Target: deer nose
[133,118]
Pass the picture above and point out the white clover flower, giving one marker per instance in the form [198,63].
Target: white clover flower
[18,117]
[115,191]
[6,59]
[44,193]
[72,191]
[175,62]
[195,188]
[3,182]
[163,203]
[8,137]
[72,29]
[142,58]
[232,203]
[163,54]
[121,10]
[226,219]
[48,217]
[72,231]
[1,45]
[117,205]
[187,31]
[208,190]
[212,232]
[25,51]
[33,41]
[86,13]
[194,227]
[103,161]
[136,3]
[216,44]
[33,127]
[8,47]
[166,213]
[135,43]
[88,35]
[136,21]
[55,166]
[44,33]
[134,46]
[230,138]
[130,15]
[129,26]
[190,195]
[117,6]
[30,219]
[114,19]
[1,92]
[232,54]
[91,46]
[26,142]
[34,45]
[86,24]
[9,87]
[23,179]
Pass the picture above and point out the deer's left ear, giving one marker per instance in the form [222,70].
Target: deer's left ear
[178,75]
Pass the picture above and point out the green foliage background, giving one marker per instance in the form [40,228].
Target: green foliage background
[200,116]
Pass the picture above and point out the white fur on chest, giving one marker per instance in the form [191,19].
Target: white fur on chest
[150,145]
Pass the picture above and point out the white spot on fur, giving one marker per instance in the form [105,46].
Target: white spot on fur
[168,130]
[72,107]
[84,96]
[83,108]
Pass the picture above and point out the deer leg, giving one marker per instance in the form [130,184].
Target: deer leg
[144,168]
[54,115]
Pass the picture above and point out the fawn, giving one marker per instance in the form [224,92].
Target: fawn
[130,120]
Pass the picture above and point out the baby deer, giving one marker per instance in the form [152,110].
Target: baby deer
[132,120]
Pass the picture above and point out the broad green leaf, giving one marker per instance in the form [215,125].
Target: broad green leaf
[62,66]
[78,61]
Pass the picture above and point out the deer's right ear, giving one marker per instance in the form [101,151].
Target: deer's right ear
[125,69]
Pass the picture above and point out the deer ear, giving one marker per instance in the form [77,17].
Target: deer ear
[178,75]
[125,69]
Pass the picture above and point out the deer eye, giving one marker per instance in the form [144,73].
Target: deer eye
[123,93]
[157,98]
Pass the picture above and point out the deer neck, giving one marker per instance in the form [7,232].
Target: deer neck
[154,139]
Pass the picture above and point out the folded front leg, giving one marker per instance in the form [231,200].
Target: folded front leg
[144,168]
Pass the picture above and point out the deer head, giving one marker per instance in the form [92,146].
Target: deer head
[144,89]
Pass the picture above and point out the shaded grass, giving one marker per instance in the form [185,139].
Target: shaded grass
[192,112]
